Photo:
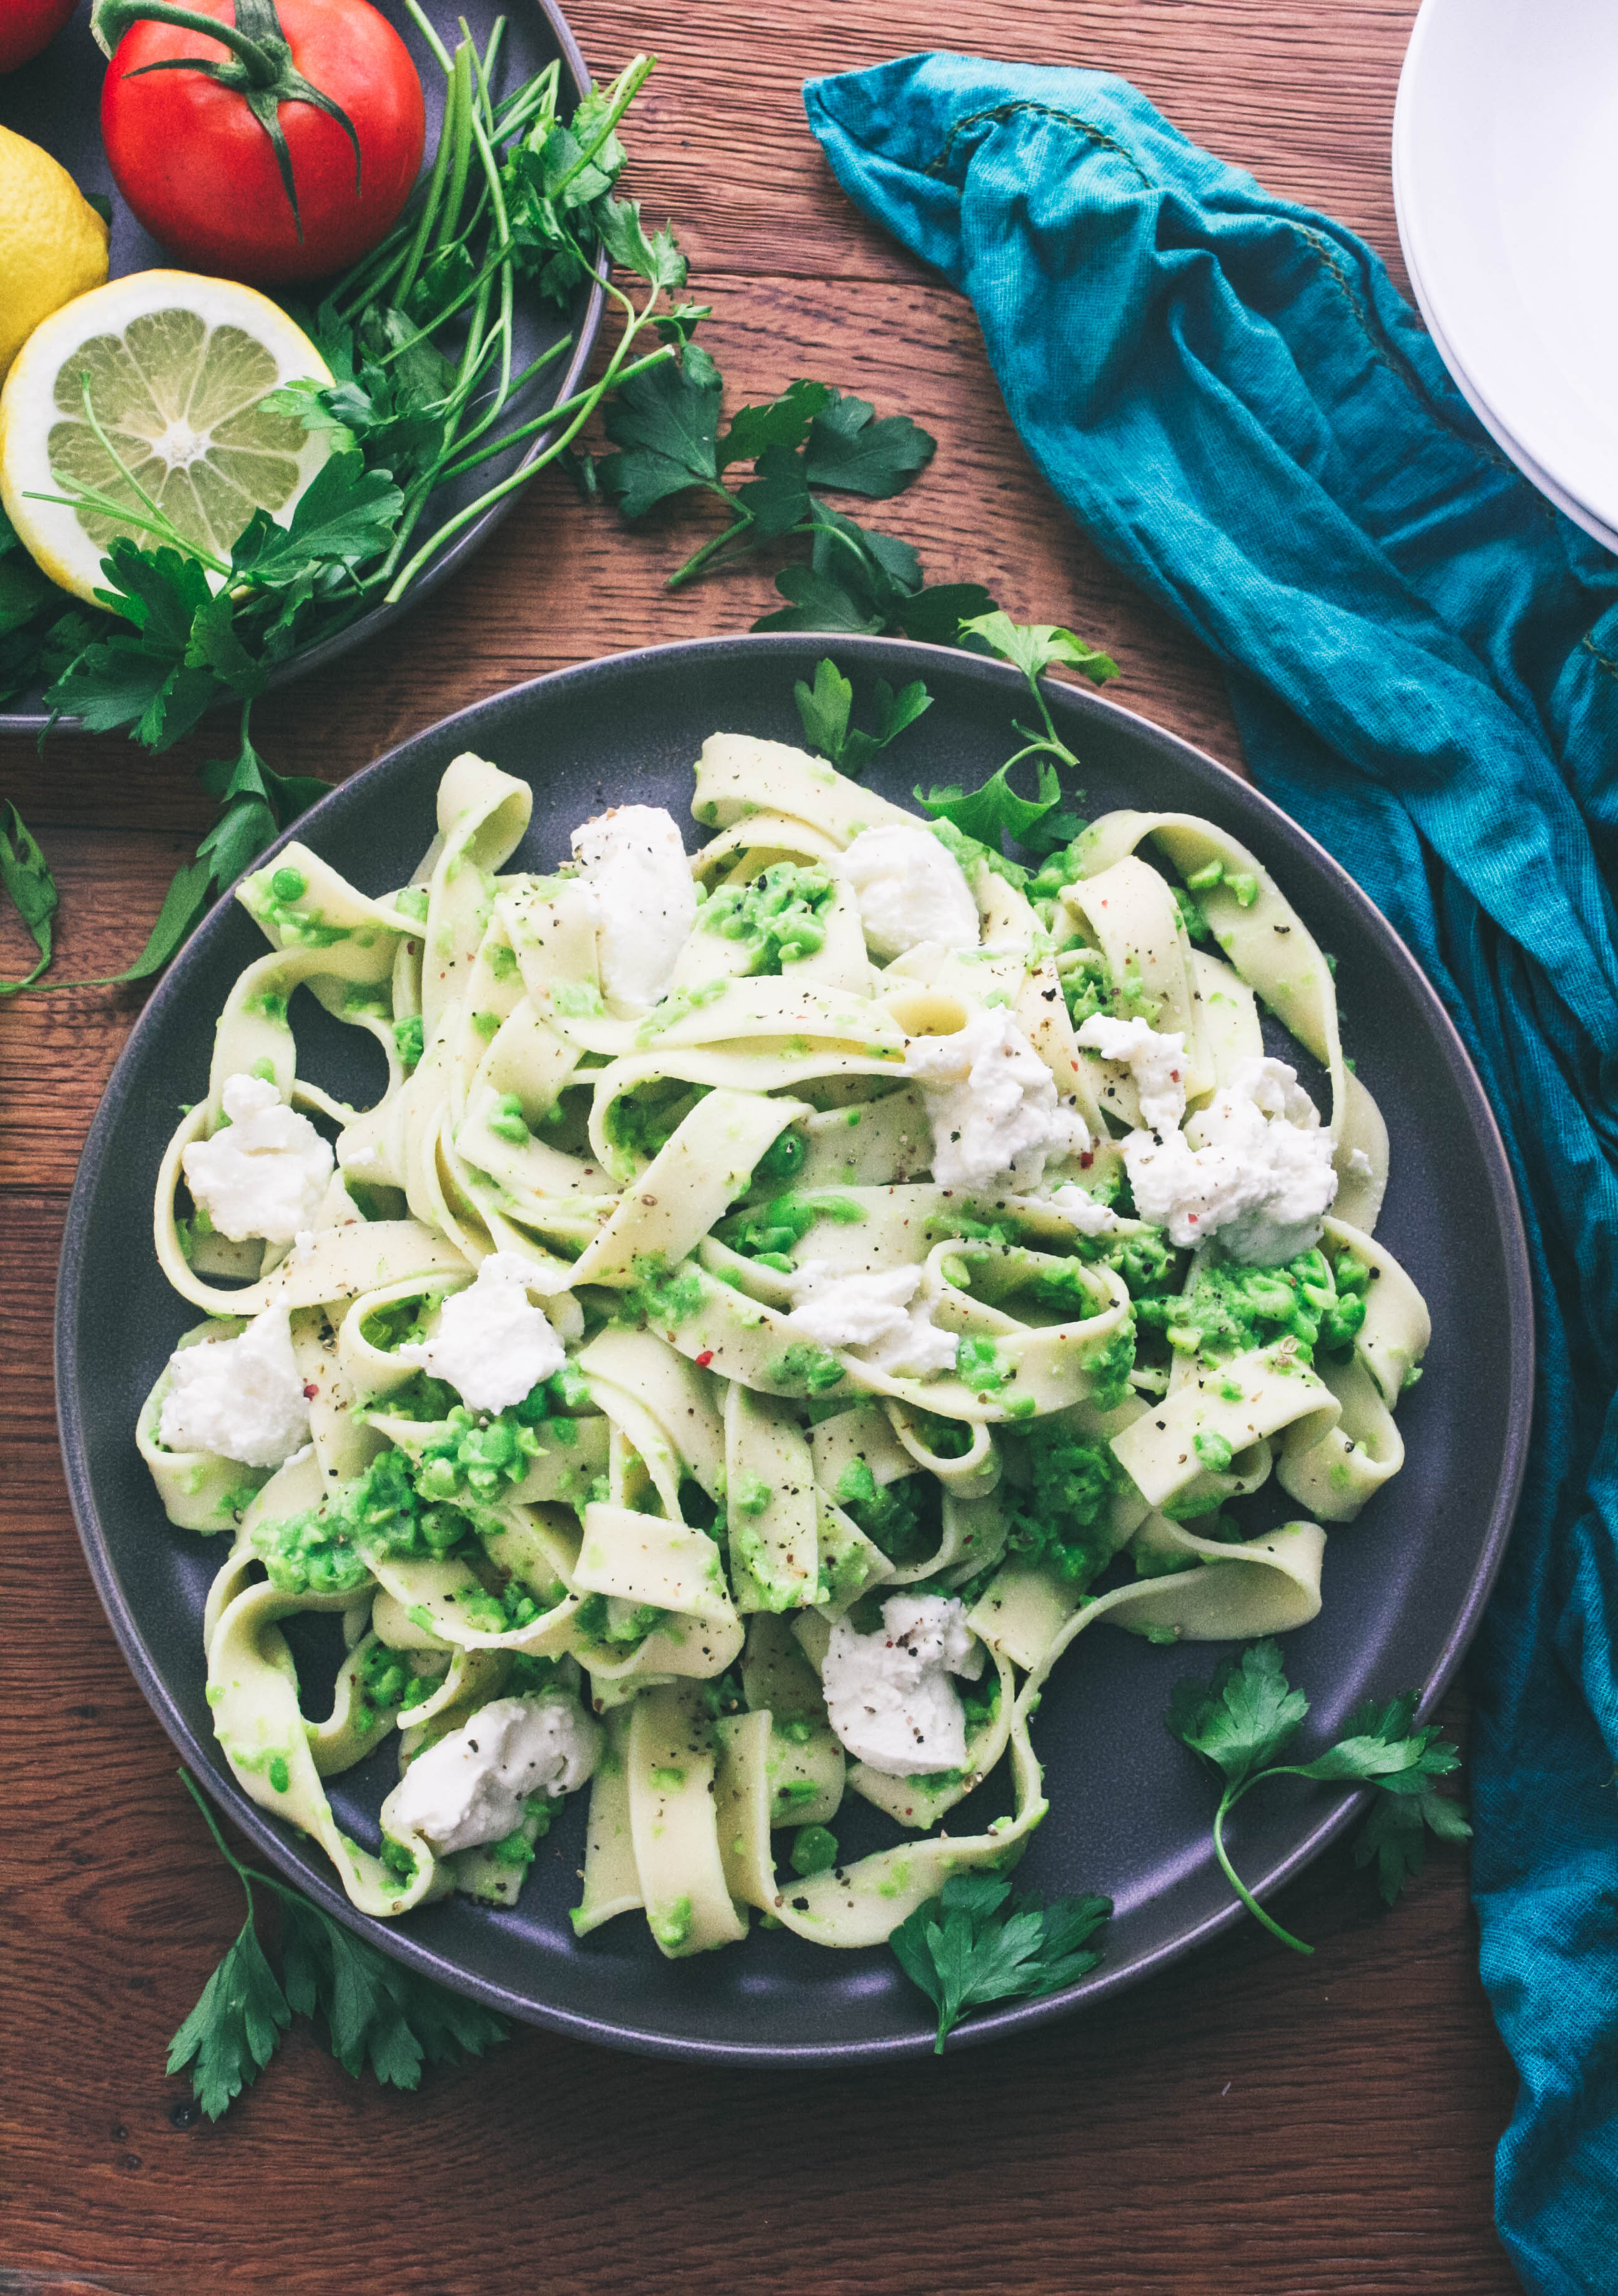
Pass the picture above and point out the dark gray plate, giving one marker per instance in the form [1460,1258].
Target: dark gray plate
[56,100]
[1130,1811]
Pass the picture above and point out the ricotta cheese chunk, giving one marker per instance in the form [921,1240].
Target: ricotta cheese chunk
[634,862]
[1089,1216]
[876,1313]
[1156,1062]
[889,1695]
[265,1172]
[992,1104]
[1254,1168]
[910,889]
[471,1787]
[241,1399]
[492,1344]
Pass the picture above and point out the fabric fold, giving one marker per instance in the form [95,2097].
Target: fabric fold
[1231,398]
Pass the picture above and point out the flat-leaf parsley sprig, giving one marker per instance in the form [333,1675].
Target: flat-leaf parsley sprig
[1248,1715]
[978,1940]
[377,2011]
[811,441]
[995,812]
[30,887]
[1037,824]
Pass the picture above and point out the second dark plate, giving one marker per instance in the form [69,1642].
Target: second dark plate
[56,100]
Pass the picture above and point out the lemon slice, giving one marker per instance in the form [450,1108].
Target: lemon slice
[177,368]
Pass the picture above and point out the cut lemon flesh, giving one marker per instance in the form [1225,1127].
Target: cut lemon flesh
[175,368]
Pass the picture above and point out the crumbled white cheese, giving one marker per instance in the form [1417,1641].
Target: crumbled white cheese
[492,1344]
[637,866]
[1156,1062]
[1360,1164]
[1253,1168]
[241,1399]
[265,1172]
[471,1787]
[910,889]
[992,1104]
[1080,1207]
[889,1696]
[876,1313]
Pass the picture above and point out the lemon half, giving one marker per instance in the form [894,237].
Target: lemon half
[175,367]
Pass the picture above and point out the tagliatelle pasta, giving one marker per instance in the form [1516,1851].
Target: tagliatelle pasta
[742,1391]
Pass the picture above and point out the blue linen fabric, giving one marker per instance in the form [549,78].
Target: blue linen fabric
[1229,396]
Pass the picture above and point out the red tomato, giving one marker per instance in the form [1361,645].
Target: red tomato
[26,26]
[200,172]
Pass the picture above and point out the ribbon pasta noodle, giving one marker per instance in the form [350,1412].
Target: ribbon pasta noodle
[783,1299]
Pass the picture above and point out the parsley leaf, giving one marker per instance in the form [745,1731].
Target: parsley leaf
[26,875]
[861,581]
[347,512]
[825,709]
[852,452]
[979,1941]
[784,422]
[666,424]
[934,616]
[236,2026]
[995,809]
[39,630]
[1244,1717]
[655,256]
[378,2013]
[1038,646]
[1248,1715]
[778,499]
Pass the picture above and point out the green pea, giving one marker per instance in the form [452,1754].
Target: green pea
[814,1850]
[783,1158]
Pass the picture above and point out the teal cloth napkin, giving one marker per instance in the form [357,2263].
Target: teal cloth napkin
[1228,395]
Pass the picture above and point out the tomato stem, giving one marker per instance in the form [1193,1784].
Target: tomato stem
[261,70]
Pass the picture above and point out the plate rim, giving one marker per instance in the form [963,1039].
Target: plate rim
[997,2023]
[1536,465]
[383,617]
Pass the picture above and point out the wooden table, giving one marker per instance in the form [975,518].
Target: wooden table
[1250,2122]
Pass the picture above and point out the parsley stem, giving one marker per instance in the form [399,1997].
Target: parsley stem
[496,261]
[624,89]
[165,527]
[560,411]
[485,64]
[589,401]
[1228,1801]
[434,192]
[212,1823]
[1039,748]
[735,532]
[92,498]
[424,25]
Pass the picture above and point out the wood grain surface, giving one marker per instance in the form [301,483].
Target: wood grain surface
[1249,2123]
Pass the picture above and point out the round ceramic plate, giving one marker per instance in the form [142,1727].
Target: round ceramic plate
[1503,141]
[56,102]
[1129,1809]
